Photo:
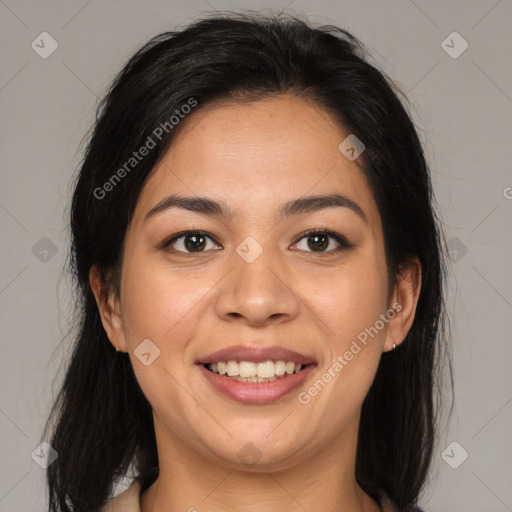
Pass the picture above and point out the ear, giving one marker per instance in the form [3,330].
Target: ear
[108,306]
[404,301]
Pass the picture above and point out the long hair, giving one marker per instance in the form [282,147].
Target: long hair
[101,423]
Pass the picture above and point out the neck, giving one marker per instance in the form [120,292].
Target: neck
[191,482]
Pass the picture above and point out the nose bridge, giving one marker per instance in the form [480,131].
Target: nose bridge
[256,289]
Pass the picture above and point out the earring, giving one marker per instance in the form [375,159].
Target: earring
[394,346]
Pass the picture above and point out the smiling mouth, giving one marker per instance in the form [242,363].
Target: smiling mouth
[249,371]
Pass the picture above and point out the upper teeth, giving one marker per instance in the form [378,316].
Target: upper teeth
[265,370]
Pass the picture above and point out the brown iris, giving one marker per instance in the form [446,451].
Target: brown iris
[319,242]
[194,242]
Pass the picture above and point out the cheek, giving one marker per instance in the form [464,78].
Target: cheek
[348,299]
[158,302]
[349,302]
[163,308]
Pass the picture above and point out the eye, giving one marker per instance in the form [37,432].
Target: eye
[189,242]
[319,241]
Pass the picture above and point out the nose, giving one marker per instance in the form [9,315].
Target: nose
[257,293]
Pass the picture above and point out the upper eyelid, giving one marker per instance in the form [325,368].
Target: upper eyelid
[330,233]
[174,238]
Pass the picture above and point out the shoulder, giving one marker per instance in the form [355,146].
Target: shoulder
[126,501]
[388,506]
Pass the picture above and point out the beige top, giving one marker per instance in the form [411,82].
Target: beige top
[129,501]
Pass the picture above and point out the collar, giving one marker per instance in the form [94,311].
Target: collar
[129,501]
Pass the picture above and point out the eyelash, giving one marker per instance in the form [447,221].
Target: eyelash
[340,239]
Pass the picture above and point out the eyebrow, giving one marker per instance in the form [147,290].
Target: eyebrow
[210,207]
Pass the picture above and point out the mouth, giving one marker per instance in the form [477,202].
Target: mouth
[255,375]
[256,354]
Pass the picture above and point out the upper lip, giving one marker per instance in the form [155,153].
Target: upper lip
[255,354]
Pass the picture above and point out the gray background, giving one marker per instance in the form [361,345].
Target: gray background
[461,105]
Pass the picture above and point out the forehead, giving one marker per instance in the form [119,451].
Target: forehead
[256,156]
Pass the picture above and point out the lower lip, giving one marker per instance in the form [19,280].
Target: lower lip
[256,392]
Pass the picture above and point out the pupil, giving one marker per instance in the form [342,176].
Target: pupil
[316,244]
[194,242]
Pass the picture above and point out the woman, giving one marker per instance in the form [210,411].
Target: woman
[260,274]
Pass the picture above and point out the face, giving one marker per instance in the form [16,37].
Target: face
[257,278]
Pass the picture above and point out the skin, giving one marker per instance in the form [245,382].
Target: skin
[254,157]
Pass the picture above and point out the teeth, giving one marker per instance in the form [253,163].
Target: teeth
[280,368]
[249,371]
[232,368]
[254,379]
[266,369]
